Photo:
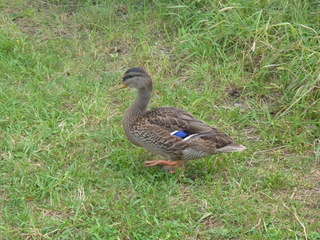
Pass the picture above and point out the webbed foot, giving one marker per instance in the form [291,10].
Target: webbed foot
[170,166]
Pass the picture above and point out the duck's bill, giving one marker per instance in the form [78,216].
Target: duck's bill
[118,87]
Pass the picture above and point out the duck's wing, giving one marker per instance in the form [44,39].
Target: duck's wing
[175,119]
[183,124]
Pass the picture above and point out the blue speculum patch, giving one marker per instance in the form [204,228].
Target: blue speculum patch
[181,134]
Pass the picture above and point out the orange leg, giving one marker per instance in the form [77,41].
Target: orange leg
[167,165]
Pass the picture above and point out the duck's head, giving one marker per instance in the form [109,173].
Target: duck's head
[135,78]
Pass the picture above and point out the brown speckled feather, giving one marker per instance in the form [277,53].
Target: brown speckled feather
[158,139]
[173,119]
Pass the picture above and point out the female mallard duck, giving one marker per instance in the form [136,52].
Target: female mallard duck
[168,131]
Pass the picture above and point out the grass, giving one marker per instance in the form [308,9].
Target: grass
[250,68]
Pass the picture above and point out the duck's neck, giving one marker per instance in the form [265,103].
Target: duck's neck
[139,106]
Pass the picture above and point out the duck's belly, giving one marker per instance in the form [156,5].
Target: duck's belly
[154,149]
[151,147]
[192,154]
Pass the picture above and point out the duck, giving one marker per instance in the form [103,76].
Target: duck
[170,132]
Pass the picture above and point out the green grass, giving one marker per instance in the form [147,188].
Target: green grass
[250,68]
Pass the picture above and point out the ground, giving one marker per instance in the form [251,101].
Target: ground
[250,69]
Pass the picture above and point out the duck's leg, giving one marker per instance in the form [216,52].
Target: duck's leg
[167,165]
[160,162]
